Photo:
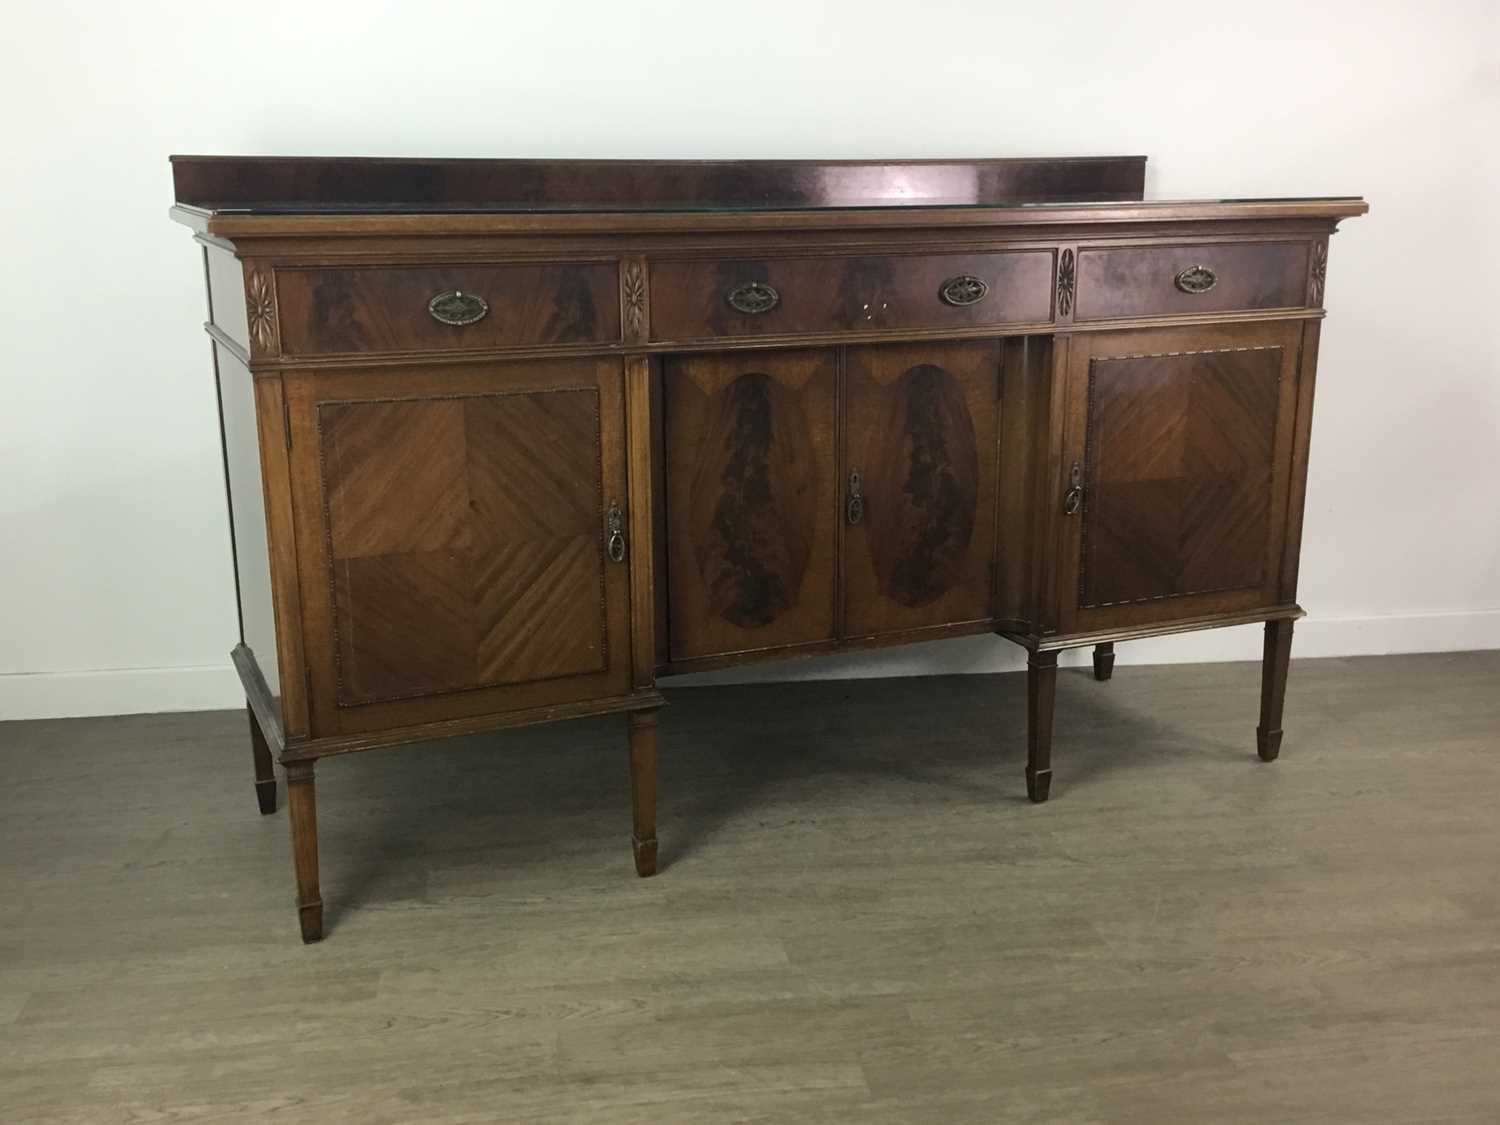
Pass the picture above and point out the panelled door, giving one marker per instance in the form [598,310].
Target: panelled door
[1177,469]
[752,509]
[453,532]
[921,462]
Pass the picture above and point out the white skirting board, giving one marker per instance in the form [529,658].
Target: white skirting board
[125,691]
[118,691]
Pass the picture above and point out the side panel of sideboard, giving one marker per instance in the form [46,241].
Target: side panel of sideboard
[257,478]
[247,515]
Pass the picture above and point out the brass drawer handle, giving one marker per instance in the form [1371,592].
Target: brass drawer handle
[1073,498]
[963,290]
[614,524]
[457,308]
[854,507]
[753,298]
[1197,279]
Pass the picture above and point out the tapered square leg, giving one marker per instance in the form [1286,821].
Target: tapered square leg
[1104,661]
[303,813]
[1275,662]
[265,771]
[1041,694]
[643,790]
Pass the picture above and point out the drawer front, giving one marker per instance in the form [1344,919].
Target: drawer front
[1140,281]
[698,300]
[366,309]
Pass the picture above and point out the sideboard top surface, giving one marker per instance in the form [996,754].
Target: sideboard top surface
[292,185]
[230,195]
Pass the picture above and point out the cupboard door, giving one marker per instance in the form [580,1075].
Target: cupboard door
[1182,443]
[751,501]
[921,436]
[452,527]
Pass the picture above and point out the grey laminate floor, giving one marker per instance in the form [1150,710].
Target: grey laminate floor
[859,919]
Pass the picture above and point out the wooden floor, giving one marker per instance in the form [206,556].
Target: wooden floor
[859,917]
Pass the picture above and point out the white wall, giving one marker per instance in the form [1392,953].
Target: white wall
[115,583]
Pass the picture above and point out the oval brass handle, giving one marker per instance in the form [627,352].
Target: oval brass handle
[1073,498]
[614,524]
[753,298]
[854,507]
[963,290]
[457,308]
[1197,279]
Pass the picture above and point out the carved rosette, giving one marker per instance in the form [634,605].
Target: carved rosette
[633,289]
[260,310]
[1066,279]
[1318,274]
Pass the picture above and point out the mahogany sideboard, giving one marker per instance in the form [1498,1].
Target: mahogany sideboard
[506,441]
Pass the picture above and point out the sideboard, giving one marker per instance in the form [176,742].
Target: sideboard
[505,441]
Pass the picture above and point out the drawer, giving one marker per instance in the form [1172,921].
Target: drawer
[1141,281]
[349,309]
[703,299]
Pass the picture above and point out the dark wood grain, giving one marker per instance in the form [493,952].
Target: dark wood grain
[642,725]
[465,536]
[750,471]
[920,537]
[1178,474]
[646,548]
[452,534]
[426,185]
[379,309]
[1104,661]
[302,815]
[1166,626]
[432,723]
[921,426]
[265,770]
[302,235]
[1307,376]
[1275,663]
[831,294]
[1141,281]
[285,640]
[1024,494]
[421,511]
[1041,697]
[1184,442]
